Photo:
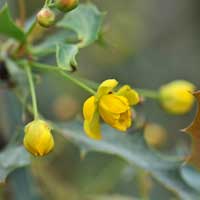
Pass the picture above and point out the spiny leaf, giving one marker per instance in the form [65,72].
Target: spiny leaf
[194,130]
[85,21]
[48,45]
[12,158]
[24,186]
[135,151]
[65,56]
[191,176]
[131,148]
[8,27]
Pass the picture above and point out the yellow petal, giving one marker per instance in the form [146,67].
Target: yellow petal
[124,121]
[91,116]
[130,94]
[120,121]
[89,108]
[92,128]
[106,87]
[115,111]
[114,103]
[108,117]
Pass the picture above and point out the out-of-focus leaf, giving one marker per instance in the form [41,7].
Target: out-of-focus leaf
[18,76]
[105,179]
[86,21]
[194,130]
[131,148]
[112,197]
[134,150]
[48,46]
[8,27]
[23,185]
[15,71]
[11,158]
[65,56]
[191,176]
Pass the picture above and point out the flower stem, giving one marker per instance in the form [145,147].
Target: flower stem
[32,90]
[31,28]
[47,2]
[64,74]
[152,94]
[22,11]
[77,82]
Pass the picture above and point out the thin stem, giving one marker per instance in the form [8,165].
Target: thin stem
[31,28]
[32,90]
[44,67]
[47,2]
[28,106]
[64,74]
[22,12]
[148,93]
[152,94]
[35,22]
[77,82]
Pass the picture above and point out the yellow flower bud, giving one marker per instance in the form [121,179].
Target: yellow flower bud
[176,97]
[66,5]
[38,139]
[46,17]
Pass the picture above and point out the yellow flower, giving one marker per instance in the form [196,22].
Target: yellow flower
[176,97]
[38,138]
[112,107]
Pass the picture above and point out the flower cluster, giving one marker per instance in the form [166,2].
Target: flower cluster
[113,107]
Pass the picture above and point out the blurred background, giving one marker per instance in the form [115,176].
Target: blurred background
[146,44]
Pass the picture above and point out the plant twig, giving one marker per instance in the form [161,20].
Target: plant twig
[22,12]
[32,90]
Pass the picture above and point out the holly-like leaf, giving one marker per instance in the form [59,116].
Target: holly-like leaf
[11,158]
[65,56]
[191,176]
[85,21]
[134,150]
[194,130]
[48,45]
[8,27]
[24,185]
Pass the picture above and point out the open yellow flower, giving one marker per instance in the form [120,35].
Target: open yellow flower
[113,107]
[38,139]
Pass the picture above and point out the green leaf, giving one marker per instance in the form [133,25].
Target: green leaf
[18,76]
[65,56]
[8,27]
[111,197]
[191,176]
[86,21]
[24,186]
[48,45]
[135,151]
[11,158]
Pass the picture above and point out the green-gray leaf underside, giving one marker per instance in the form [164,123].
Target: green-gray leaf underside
[86,21]
[65,56]
[8,27]
[135,151]
[11,158]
